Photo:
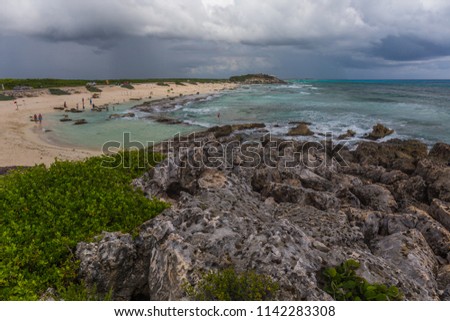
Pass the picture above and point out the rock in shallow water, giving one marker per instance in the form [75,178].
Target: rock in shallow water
[379,131]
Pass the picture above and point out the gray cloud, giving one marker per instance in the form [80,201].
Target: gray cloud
[219,37]
[407,48]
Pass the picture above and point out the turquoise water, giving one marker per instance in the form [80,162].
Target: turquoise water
[414,109]
[100,129]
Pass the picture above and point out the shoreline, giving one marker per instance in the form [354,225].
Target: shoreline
[25,143]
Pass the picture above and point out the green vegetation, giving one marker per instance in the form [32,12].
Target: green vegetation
[47,211]
[80,292]
[127,86]
[5,97]
[160,83]
[179,83]
[52,83]
[59,92]
[344,285]
[93,89]
[227,285]
[251,77]
[41,83]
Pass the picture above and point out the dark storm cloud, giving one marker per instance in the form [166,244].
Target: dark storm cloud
[220,37]
[407,48]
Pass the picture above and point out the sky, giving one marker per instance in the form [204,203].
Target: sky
[353,39]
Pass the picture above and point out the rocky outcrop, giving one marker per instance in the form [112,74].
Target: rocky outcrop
[252,79]
[394,154]
[284,209]
[301,129]
[440,211]
[379,131]
[441,153]
[349,134]
[115,116]
[164,120]
[80,122]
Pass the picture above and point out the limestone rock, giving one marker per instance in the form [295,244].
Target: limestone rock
[440,211]
[349,134]
[410,253]
[443,281]
[379,131]
[301,129]
[283,214]
[375,197]
[441,153]
[113,263]
[393,154]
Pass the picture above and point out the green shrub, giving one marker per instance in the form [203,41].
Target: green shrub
[6,97]
[344,285]
[179,83]
[93,89]
[80,292]
[162,84]
[227,285]
[47,211]
[127,86]
[59,92]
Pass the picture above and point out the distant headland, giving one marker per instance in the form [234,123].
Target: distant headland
[256,79]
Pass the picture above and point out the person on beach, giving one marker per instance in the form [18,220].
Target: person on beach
[40,118]
[77,106]
[17,106]
[35,118]
[82,102]
[65,105]
[90,101]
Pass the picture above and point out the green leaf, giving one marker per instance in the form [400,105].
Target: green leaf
[330,272]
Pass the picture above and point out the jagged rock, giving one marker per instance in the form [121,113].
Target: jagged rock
[440,211]
[309,179]
[348,199]
[391,177]
[393,154]
[375,197]
[438,238]
[443,281]
[281,214]
[440,188]
[410,191]
[114,116]
[248,126]
[301,129]
[165,120]
[379,131]
[221,131]
[437,178]
[410,253]
[441,153]
[114,263]
[350,133]
[80,122]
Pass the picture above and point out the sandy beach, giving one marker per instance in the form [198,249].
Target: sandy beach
[24,142]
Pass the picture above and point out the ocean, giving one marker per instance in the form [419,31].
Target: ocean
[418,109]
